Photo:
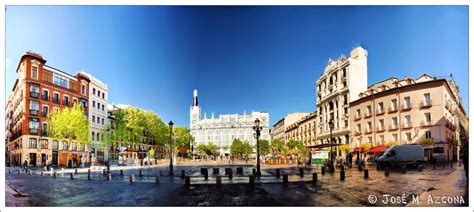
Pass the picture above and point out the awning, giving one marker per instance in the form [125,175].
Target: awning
[357,149]
[377,149]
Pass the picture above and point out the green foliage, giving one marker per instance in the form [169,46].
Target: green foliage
[182,137]
[236,148]
[209,149]
[391,143]
[425,142]
[247,148]
[264,147]
[69,126]
[277,145]
[345,148]
[201,149]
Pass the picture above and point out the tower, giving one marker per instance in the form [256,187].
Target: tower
[195,110]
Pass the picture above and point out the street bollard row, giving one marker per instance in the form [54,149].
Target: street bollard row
[323,170]
[215,170]
[342,175]
[240,170]
[132,178]
[366,174]
[187,182]
[89,174]
[301,172]
[315,177]
[109,176]
[277,173]
[387,171]
[157,179]
[251,179]
[218,180]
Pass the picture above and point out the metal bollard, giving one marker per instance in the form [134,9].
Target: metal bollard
[72,175]
[231,175]
[103,171]
[75,171]
[29,172]
[206,175]
[277,173]
[366,173]
[251,180]
[9,171]
[387,172]
[187,182]
[420,168]
[42,173]
[161,172]
[54,174]
[108,168]
[315,177]
[254,172]
[19,171]
[360,167]
[240,170]
[121,172]
[203,171]
[228,170]
[141,172]
[183,173]
[342,175]
[109,176]
[218,180]
[157,179]
[132,178]
[89,175]
[301,172]
[215,170]
[404,168]
[323,170]
[285,178]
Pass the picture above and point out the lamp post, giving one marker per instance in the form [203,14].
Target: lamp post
[171,148]
[331,126]
[257,129]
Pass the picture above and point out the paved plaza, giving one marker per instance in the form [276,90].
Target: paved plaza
[36,190]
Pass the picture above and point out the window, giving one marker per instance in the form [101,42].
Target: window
[358,128]
[394,104]
[381,139]
[60,80]
[394,121]
[74,147]
[44,128]
[408,136]
[427,98]
[66,100]
[428,118]
[93,91]
[369,110]
[34,107]
[395,137]
[369,126]
[34,125]
[74,100]
[33,143]
[93,120]
[34,90]
[45,95]
[103,121]
[407,102]
[381,125]
[428,134]
[357,113]
[93,136]
[44,144]
[34,72]
[381,107]
[103,95]
[407,120]
[65,147]
[56,97]
[83,147]
[98,93]
[55,145]
[98,137]
[45,111]
[98,105]
[83,89]
[370,140]
[93,103]
[103,108]
[84,103]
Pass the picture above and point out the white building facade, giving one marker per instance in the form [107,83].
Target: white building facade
[223,130]
[98,96]
[340,83]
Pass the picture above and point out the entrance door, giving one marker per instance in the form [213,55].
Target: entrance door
[55,158]
[33,159]
[43,159]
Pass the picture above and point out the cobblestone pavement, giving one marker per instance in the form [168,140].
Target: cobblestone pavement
[267,191]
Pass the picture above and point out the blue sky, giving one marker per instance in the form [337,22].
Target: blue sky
[239,58]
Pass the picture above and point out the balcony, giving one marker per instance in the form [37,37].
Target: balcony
[380,111]
[66,103]
[425,123]
[45,133]
[56,100]
[393,127]
[44,114]
[407,125]
[46,98]
[407,106]
[426,103]
[34,94]
[393,108]
[33,130]
[380,128]
[34,112]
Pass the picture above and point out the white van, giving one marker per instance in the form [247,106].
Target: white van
[402,154]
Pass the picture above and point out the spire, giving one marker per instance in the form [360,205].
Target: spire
[195,99]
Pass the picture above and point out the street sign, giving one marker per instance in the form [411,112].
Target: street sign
[318,157]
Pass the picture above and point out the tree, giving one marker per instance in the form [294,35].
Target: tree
[264,147]
[277,145]
[202,149]
[182,137]
[247,149]
[236,148]
[345,148]
[365,147]
[296,147]
[391,143]
[70,126]
[211,149]
[425,142]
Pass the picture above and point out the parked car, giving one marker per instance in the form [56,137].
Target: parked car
[402,154]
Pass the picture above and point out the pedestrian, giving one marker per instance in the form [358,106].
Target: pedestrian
[350,159]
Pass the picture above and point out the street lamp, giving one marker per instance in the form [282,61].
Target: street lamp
[171,148]
[331,126]
[257,129]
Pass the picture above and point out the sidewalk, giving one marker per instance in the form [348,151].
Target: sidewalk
[15,199]
[447,192]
